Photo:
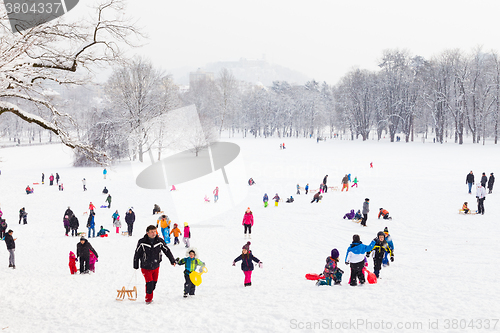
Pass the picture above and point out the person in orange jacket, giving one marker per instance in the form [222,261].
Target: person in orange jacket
[176,231]
[384,213]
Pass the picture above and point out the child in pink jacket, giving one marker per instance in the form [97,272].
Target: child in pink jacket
[248,222]
[92,261]
[187,234]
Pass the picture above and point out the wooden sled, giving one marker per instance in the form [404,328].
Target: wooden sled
[124,233]
[83,233]
[132,294]
[333,188]
[356,220]
[471,212]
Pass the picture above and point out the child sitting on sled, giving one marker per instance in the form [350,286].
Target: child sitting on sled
[102,232]
[349,215]
[358,215]
[465,208]
[332,271]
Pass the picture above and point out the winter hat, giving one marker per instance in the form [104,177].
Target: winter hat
[185,224]
[366,199]
[386,230]
[246,246]
[380,233]
[356,239]
[82,238]
[175,225]
[335,253]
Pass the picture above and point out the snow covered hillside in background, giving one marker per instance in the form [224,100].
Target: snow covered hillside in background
[445,264]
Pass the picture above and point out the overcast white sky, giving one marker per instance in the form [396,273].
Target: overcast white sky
[321,39]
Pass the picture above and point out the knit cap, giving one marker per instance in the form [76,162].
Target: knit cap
[246,246]
[335,253]
[386,230]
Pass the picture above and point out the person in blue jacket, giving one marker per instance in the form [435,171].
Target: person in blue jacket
[355,257]
[307,188]
[265,200]
[388,239]
[191,263]
[91,223]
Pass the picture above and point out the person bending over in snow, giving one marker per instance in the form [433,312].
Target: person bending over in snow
[350,215]
[332,271]
[317,197]
[384,213]
[465,208]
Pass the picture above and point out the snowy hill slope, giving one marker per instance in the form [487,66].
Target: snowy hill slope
[444,266]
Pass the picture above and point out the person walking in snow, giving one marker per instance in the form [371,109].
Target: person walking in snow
[484,180]
[84,182]
[164,223]
[345,184]
[83,249]
[469,180]
[307,188]
[43,178]
[276,199]
[92,260]
[108,200]
[187,234]
[116,221]
[23,216]
[355,182]
[57,178]
[491,181]
[191,262]
[247,259]
[355,257]
[380,249]
[298,189]
[10,242]
[148,253]
[72,263]
[481,196]
[51,179]
[325,188]
[130,219]
[177,232]
[265,199]
[216,194]
[73,224]
[91,223]
[389,241]
[248,222]
[104,172]
[66,224]
[366,210]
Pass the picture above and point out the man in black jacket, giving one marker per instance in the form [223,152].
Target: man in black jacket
[491,181]
[469,180]
[130,219]
[148,251]
[82,251]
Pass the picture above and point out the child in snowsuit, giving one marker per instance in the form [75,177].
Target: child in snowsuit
[91,207]
[176,231]
[92,260]
[276,199]
[380,248]
[465,208]
[298,189]
[156,209]
[355,182]
[191,263]
[3,227]
[247,222]
[246,258]
[388,239]
[355,257]
[73,224]
[349,215]
[384,213]
[332,271]
[102,232]
[164,223]
[116,221]
[290,200]
[265,200]
[307,188]
[187,234]
[66,224]
[72,262]
[358,215]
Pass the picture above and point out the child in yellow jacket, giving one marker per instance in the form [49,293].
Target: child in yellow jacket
[176,231]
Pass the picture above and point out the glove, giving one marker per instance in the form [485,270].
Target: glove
[234,263]
[261,264]
[392,259]
[346,263]
[176,261]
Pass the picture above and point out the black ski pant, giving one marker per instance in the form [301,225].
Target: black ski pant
[84,264]
[248,227]
[189,287]
[130,227]
[357,273]
[364,219]
[480,206]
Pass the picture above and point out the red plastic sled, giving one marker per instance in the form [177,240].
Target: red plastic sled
[314,276]
[371,277]
[36,183]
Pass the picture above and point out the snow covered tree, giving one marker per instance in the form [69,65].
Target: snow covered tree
[55,52]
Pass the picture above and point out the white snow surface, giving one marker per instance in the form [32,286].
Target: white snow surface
[444,269]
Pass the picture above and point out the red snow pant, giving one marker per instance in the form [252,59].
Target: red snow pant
[151,276]
[248,276]
[72,267]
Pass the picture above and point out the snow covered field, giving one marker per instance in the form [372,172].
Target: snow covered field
[443,279]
